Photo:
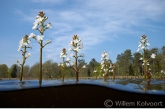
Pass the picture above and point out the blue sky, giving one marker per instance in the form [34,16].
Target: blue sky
[103,25]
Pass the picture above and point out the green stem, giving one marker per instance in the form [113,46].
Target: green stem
[23,62]
[76,69]
[40,66]
[145,67]
[63,70]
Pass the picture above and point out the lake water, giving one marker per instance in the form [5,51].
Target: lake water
[131,85]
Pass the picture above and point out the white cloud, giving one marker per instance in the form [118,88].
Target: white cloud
[96,22]
[47,1]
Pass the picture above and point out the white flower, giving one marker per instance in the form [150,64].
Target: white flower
[39,18]
[34,27]
[48,41]
[48,25]
[138,50]
[76,49]
[141,58]
[39,38]
[67,64]
[68,59]
[84,66]
[103,55]
[19,48]
[105,70]
[161,71]
[35,24]
[22,42]
[76,41]
[147,44]
[142,47]
[95,71]
[59,64]
[28,55]
[102,62]
[32,35]
[101,67]
[148,63]
[153,56]
[143,44]
[63,53]
[71,43]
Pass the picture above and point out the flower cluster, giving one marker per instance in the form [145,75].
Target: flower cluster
[104,62]
[146,61]
[25,41]
[153,56]
[23,45]
[143,44]
[41,27]
[111,67]
[63,53]
[75,44]
[39,38]
[162,72]
[39,21]
[95,70]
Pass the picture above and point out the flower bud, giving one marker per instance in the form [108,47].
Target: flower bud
[41,13]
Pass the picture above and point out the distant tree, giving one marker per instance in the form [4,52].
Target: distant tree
[88,72]
[131,71]
[125,60]
[47,69]
[33,73]
[163,50]
[14,70]
[55,70]
[92,64]
[137,64]
[3,70]
[26,71]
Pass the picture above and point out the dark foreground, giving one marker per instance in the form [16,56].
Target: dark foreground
[79,96]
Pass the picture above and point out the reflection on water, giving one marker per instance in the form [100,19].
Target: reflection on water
[133,85]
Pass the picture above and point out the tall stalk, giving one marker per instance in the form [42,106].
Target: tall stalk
[24,44]
[75,46]
[41,27]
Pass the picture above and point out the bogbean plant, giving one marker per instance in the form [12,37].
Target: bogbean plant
[75,46]
[106,66]
[112,67]
[63,54]
[143,46]
[23,45]
[40,26]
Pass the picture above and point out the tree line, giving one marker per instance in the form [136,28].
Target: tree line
[126,64]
